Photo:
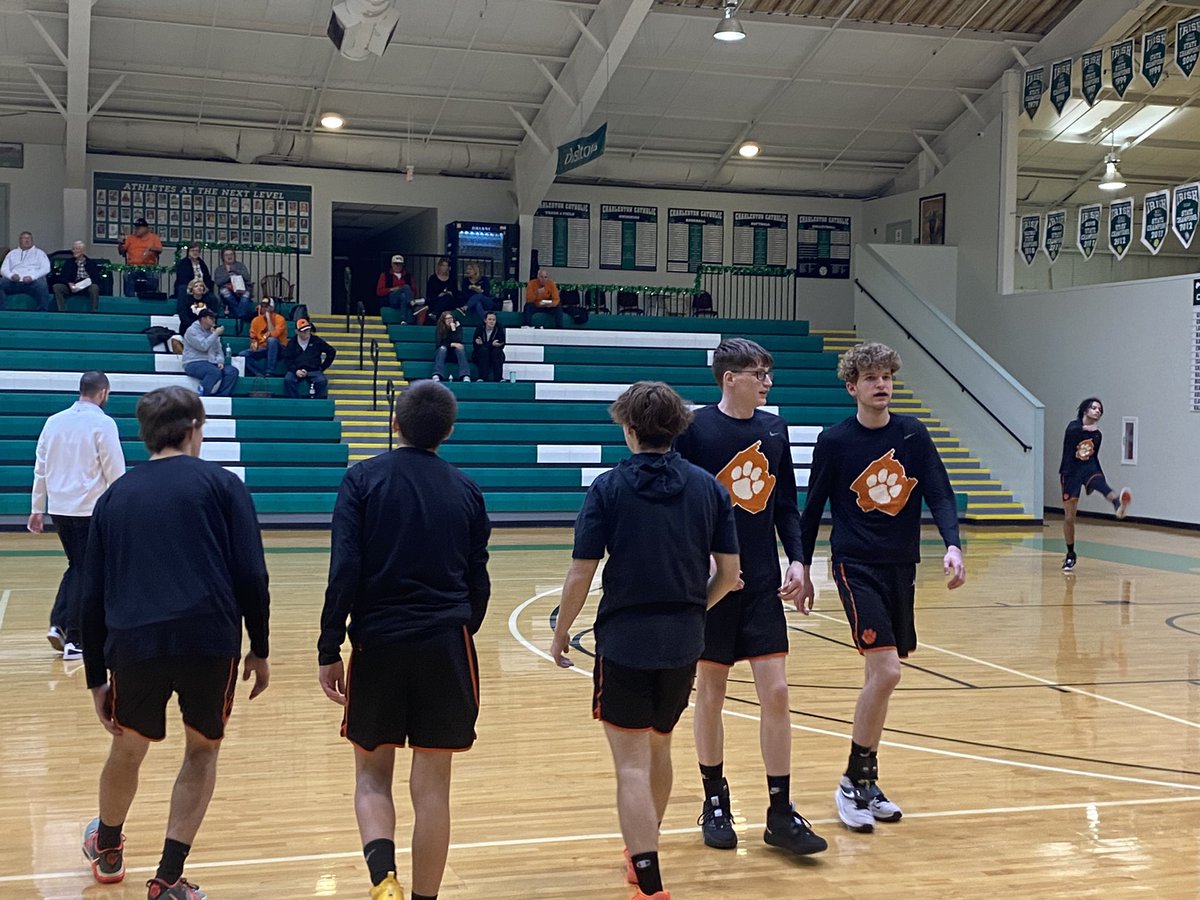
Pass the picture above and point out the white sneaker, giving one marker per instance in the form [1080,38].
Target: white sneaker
[883,809]
[466,378]
[56,637]
[435,377]
[72,651]
[1125,498]
[853,806]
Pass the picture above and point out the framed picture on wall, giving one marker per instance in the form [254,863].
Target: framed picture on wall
[931,215]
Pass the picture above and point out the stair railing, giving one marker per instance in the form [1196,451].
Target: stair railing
[375,374]
[362,332]
[391,399]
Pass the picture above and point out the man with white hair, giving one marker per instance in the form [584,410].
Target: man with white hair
[79,277]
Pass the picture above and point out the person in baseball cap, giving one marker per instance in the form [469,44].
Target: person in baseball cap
[307,358]
[395,288]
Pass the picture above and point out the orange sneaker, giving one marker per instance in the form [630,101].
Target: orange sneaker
[630,875]
[660,895]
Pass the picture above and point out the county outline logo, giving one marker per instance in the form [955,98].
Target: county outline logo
[748,479]
[883,485]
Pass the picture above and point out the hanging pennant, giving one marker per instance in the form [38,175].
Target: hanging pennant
[1088,233]
[1035,86]
[1154,55]
[1092,75]
[1120,226]
[1184,209]
[1187,44]
[1121,66]
[1060,84]
[1031,237]
[1156,217]
[1056,229]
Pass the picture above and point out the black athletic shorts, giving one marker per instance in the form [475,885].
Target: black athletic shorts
[745,625]
[878,600]
[423,694]
[204,684]
[1074,484]
[640,699]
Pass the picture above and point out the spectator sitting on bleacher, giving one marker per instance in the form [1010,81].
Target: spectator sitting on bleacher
[78,277]
[449,340]
[204,359]
[25,271]
[489,349]
[395,287]
[268,334]
[190,267]
[142,248]
[233,286]
[439,291]
[307,359]
[476,292]
[193,303]
[541,295]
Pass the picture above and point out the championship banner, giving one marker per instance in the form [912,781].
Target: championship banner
[1031,237]
[1120,226]
[1156,215]
[1088,233]
[1092,75]
[1035,86]
[1060,84]
[695,237]
[1187,44]
[1154,55]
[562,234]
[629,237]
[1184,209]
[1056,229]
[1121,66]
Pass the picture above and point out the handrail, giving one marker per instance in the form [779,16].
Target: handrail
[346,281]
[966,390]
[375,374]
[362,333]
[391,398]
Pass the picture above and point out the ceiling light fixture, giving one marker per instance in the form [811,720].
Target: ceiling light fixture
[332,121]
[749,150]
[729,28]
[1112,180]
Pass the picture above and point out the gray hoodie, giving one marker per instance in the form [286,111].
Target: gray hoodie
[201,346]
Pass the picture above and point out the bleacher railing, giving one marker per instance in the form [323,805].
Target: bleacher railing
[750,292]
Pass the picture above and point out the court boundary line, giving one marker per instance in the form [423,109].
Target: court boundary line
[4,605]
[1128,779]
[745,826]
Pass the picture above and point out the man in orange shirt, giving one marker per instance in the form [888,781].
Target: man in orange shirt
[142,248]
[268,335]
[541,295]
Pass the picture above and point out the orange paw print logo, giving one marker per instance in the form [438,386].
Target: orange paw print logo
[748,479]
[1085,450]
[883,485]
[868,636]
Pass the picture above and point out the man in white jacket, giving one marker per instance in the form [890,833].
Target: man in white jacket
[26,270]
[78,456]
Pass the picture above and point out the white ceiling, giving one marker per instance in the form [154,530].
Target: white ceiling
[838,104]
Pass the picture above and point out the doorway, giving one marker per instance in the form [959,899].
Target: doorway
[365,235]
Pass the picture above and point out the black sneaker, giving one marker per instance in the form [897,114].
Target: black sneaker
[716,821]
[1069,563]
[790,831]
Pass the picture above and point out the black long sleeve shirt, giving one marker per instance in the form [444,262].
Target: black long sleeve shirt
[752,458]
[308,357]
[874,480]
[1081,449]
[174,565]
[409,553]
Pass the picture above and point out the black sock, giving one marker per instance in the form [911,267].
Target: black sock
[714,779]
[645,866]
[381,859]
[861,766]
[170,867]
[108,837]
[1070,549]
[779,788]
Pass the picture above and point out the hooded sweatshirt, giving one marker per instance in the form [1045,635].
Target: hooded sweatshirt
[658,517]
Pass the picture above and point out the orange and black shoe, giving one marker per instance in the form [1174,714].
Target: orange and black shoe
[108,866]
[658,895]
[388,889]
[630,874]
[157,889]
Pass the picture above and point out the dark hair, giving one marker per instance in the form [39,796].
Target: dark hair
[167,415]
[425,413]
[442,329]
[92,383]
[1083,407]
[652,411]
[230,249]
[736,354]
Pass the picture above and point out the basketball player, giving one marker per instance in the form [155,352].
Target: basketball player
[659,518]
[1080,471]
[413,679]
[875,468]
[749,452]
[174,565]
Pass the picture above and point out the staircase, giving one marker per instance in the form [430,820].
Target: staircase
[987,500]
[365,423]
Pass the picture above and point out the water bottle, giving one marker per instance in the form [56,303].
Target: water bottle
[228,355]
[512,376]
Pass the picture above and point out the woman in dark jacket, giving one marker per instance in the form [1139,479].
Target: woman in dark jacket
[439,291]
[449,340]
[188,269]
[192,303]
[476,292]
[489,349]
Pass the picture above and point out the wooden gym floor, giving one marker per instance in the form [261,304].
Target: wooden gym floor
[1045,741]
